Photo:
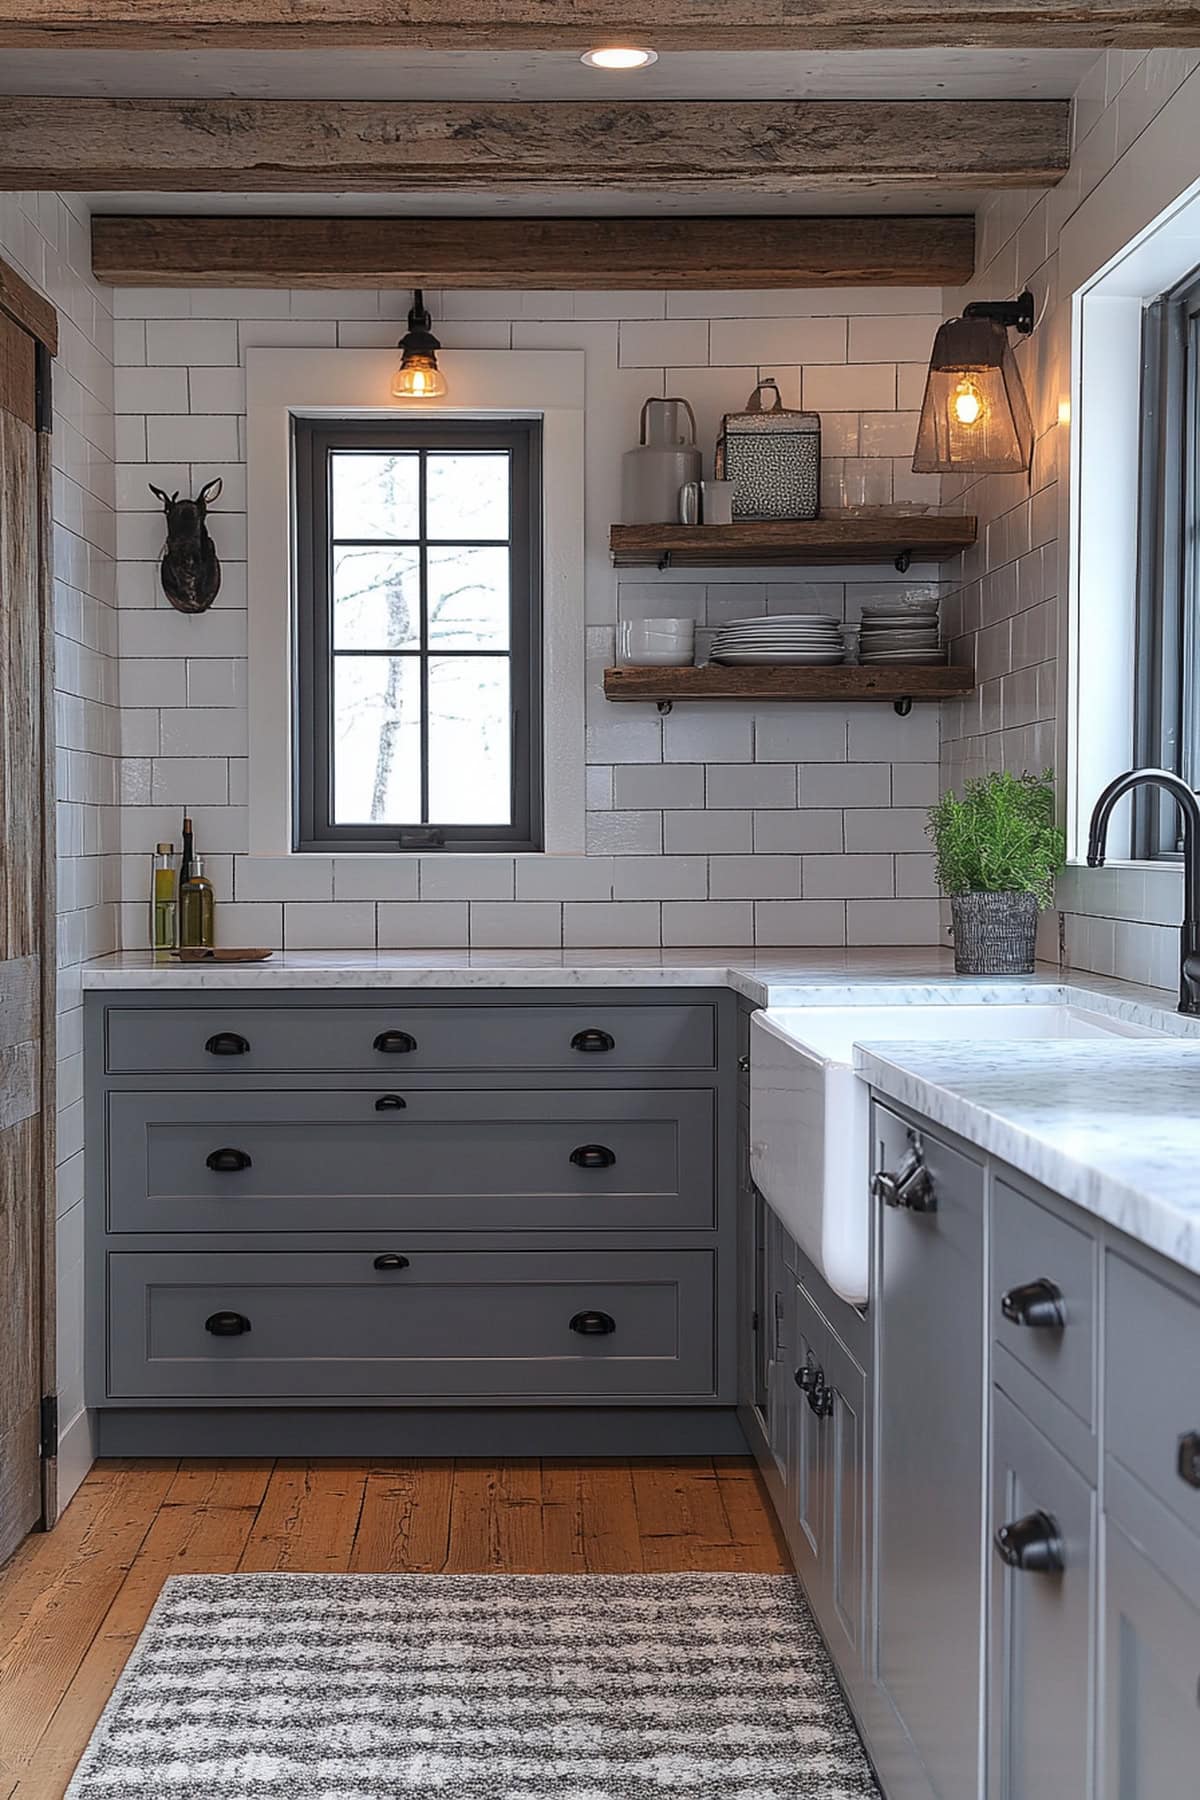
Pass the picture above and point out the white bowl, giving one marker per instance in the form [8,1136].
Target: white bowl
[651,658]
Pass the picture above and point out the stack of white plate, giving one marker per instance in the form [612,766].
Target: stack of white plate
[802,638]
[901,631]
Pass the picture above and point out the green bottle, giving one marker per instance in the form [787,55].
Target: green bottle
[196,909]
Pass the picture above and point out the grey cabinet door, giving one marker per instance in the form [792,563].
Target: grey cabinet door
[538,1325]
[1151,1745]
[1152,1405]
[809,1467]
[1042,1636]
[780,1325]
[845,1534]
[929,1463]
[613,1159]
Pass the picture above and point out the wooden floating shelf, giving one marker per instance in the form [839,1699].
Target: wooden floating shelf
[899,538]
[843,682]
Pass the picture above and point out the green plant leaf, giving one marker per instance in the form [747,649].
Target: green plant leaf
[999,838]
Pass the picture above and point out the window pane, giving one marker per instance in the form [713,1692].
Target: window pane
[376,599]
[375,494]
[467,494]
[469,741]
[468,599]
[377,740]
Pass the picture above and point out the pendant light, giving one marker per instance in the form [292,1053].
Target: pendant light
[418,377]
[975,417]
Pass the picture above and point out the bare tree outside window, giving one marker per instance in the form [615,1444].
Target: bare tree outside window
[418,634]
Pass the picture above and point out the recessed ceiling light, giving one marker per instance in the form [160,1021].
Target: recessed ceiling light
[620,56]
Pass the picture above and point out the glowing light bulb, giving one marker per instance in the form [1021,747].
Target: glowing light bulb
[419,380]
[620,56]
[967,402]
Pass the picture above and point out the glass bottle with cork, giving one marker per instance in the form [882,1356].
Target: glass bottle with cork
[163,904]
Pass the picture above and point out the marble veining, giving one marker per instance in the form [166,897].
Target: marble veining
[1112,1125]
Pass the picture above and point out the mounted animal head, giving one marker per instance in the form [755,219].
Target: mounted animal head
[190,568]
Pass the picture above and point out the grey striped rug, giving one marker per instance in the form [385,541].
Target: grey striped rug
[465,1687]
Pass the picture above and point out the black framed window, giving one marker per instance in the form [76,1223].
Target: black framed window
[1167,670]
[418,686]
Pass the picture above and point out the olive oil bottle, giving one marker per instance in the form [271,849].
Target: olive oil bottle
[196,909]
[163,904]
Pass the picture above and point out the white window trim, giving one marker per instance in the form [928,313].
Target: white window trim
[283,384]
[1137,233]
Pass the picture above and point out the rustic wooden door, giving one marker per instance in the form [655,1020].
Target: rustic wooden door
[26,936]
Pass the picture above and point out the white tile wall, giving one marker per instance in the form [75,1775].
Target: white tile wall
[45,237]
[711,825]
[1004,613]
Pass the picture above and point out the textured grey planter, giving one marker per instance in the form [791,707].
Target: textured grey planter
[994,934]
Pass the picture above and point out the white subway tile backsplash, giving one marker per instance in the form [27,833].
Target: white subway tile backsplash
[338,925]
[799,830]
[659,785]
[284,878]
[845,877]
[423,925]
[798,922]
[705,922]
[516,924]
[755,877]
[467,878]
[375,877]
[660,878]
[749,785]
[723,832]
[631,923]
[192,342]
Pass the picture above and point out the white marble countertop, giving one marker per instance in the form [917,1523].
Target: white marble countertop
[1111,1124]
[780,978]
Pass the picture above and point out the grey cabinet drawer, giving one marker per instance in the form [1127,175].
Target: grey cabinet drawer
[395,1042]
[605,1160]
[1043,1625]
[1031,1245]
[490,1326]
[1152,1369]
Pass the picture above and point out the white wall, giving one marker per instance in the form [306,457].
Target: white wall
[46,237]
[1009,613]
[718,825]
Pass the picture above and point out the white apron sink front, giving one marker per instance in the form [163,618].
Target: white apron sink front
[809,1148]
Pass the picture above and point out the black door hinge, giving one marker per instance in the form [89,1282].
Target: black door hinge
[43,390]
[48,1426]
[754,1321]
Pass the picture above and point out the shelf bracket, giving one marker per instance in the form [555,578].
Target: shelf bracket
[904,562]
[902,707]
[664,706]
[664,561]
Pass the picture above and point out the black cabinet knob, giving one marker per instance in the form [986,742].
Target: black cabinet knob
[593,1042]
[227,1324]
[593,1156]
[1032,1544]
[227,1161]
[1188,1460]
[593,1324]
[1038,1304]
[391,1261]
[816,1390]
[390,1103]
[227,1043]
[395,1043]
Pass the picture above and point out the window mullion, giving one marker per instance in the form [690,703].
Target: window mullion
[423,522]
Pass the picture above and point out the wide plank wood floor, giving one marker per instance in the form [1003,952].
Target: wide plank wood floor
[73,1601]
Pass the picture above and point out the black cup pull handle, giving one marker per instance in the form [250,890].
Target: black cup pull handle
[592,1042]
[227,1043]
[227,1324]
[395,1043]
[1038,1304]
[227,1161]
[593,1324]
[1033,1544]
[391,1261]
[593,1156]
[1187,1461]
[390,1103]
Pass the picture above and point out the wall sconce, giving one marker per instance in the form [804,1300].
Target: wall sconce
[975,417]
[418,377]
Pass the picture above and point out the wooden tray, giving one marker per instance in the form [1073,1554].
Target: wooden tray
[222,956]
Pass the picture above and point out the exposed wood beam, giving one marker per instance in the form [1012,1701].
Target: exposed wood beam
[684,146]
[140,249]
[727,25]
[31,310]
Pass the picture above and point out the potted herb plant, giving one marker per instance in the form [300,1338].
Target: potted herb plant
[998,851]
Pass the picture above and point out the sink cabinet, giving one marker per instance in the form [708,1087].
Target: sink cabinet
[987,1653]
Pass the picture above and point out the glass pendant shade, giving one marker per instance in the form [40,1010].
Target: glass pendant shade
[418,377]
[975,417]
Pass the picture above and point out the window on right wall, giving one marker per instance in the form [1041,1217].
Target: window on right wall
[1167,664]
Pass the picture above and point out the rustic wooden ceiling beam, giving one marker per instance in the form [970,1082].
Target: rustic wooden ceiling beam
[517,147]
[141,249]
[727,25]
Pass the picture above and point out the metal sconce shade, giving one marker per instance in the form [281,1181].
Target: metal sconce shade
[975,417]
[418,377]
